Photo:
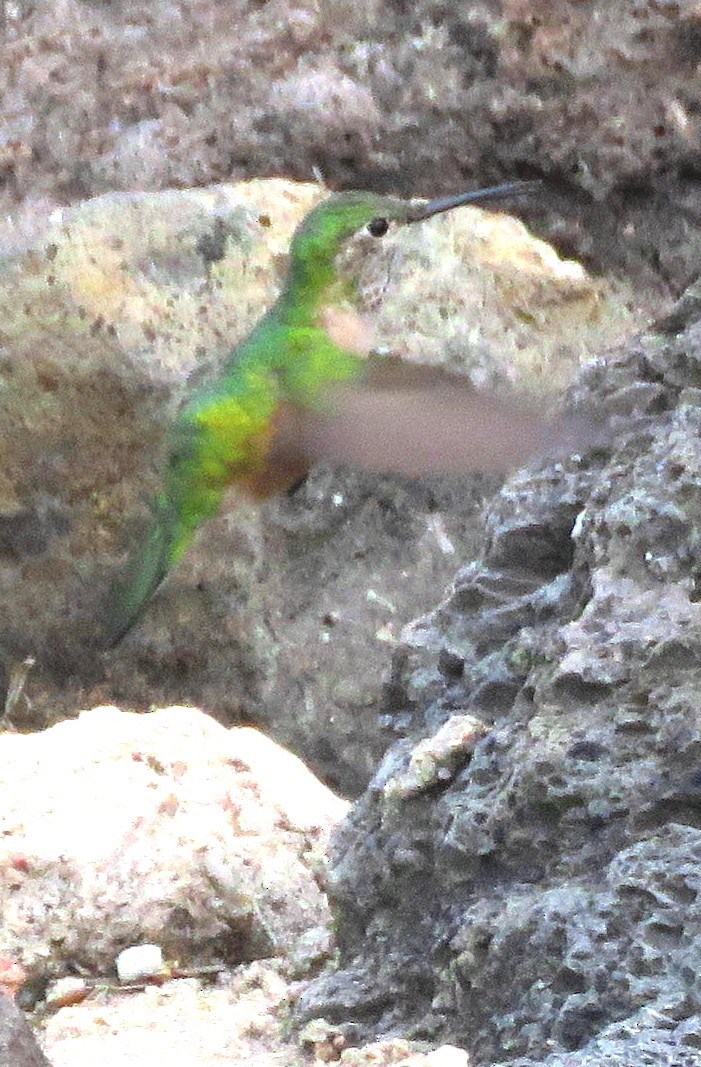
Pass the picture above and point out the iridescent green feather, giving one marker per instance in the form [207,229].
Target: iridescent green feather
[222,434]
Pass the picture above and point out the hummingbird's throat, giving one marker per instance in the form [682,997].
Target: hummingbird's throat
[347,328]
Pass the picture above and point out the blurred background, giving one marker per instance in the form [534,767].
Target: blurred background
[416,98]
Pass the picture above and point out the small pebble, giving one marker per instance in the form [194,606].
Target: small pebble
[140,962]
[447,1056]
[66,991]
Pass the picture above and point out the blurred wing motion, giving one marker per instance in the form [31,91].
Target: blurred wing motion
[400,417]
[413,420]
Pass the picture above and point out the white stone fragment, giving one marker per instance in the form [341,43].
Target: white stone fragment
[447,1056]
[139,962]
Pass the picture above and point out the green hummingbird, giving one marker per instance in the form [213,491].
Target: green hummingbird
[302,387]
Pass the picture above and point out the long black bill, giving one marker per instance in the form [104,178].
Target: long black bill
[477,196]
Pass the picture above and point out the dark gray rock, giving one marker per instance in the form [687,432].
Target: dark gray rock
[18,1046]
[650,1039]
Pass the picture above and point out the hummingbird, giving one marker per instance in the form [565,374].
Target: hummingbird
[303,387]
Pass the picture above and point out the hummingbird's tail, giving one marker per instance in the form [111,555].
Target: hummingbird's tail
[144,572]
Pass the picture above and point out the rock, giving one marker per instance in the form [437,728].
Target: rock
[244,1018]
[404,1054]
[600,98]
[645,1044]
[436,760]
[65,992]
[121,829]
[18,1046]
[241,1019]
[140,962]
[584,794]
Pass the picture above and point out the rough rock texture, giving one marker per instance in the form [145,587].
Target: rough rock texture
[18,1046]
[647,1042]
[403,1054]
[602,98]
[283,614]
[543,891]
[120,829]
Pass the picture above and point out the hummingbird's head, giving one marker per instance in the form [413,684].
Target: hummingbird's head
[324,231]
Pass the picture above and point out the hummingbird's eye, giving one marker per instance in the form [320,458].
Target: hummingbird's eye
[378,227]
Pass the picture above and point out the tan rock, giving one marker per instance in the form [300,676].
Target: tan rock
[120,829]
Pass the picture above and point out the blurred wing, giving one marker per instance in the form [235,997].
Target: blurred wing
[417,420]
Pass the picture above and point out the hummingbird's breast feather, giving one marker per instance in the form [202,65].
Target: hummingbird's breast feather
[347,328]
